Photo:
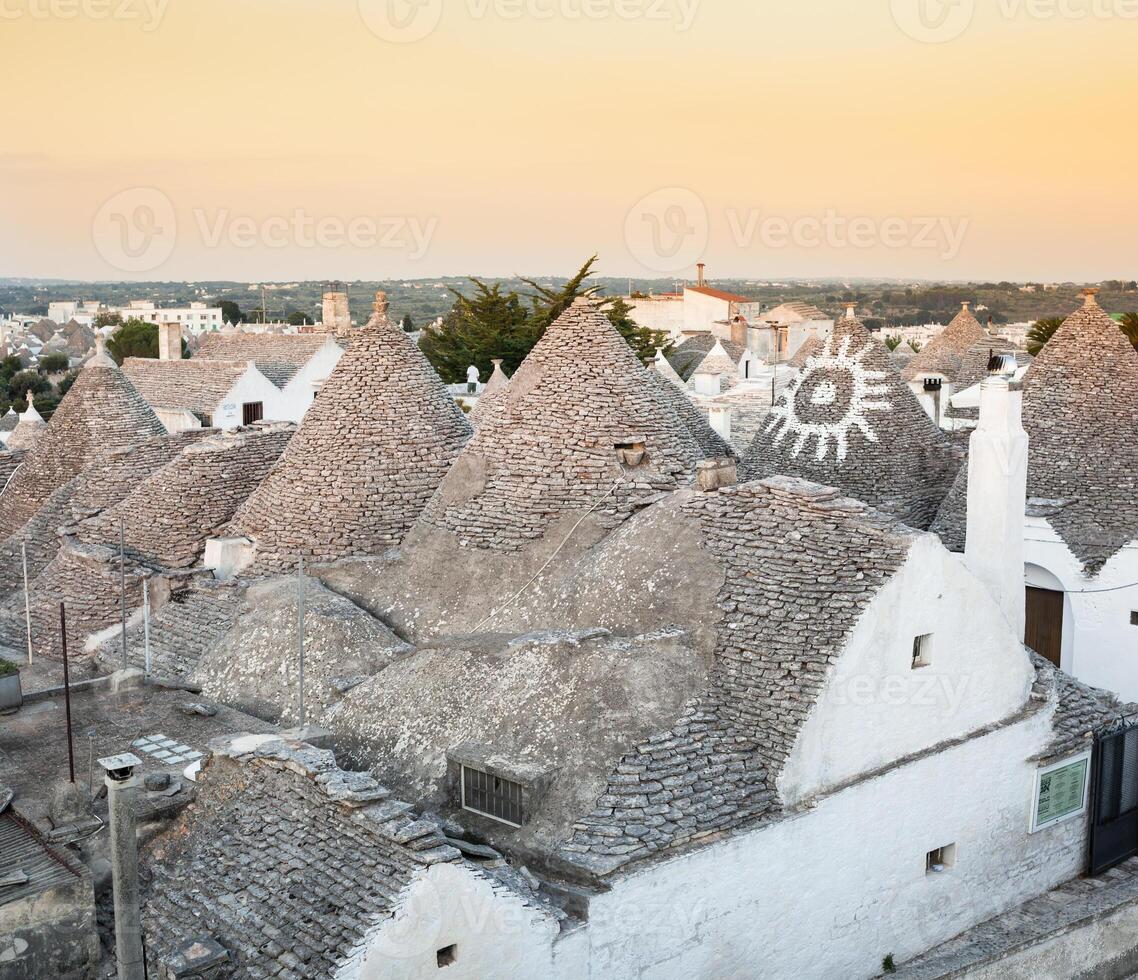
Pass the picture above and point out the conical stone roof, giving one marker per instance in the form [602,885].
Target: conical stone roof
[810,347]
[373,447]
[1080,402]
[944,354]
[718,362]
[491,395]
[101,412]
[580,429]
[29,429]
[663,367]
[847,420]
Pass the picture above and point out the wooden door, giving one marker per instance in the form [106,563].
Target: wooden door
[1045,623]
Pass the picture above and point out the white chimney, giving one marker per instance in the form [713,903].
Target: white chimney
[720,419]
[169,341]
[997,496]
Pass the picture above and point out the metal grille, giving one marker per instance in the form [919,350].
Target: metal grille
[492,796]
[1114,826]
[253,412]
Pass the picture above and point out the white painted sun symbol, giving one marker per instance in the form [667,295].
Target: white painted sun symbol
[830,378]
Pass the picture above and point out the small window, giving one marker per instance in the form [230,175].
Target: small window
[933,384]
[492,796]
[1134,618]
[447,955]
[632,453]
[252,412]
[922,650]
[940,860]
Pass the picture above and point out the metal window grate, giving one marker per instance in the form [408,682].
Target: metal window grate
[492,796]
[252,412]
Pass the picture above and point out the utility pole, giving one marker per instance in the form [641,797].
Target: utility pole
[122,590]
[122,788]
[67,692]
[146,622]
[300,634]
[27,600]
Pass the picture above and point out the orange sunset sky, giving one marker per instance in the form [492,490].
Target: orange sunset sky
[520,136]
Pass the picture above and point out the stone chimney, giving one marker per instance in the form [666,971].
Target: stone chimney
[337,316]
[701,274]
[169,341]
[1089,297]
[997,496]
[851,309]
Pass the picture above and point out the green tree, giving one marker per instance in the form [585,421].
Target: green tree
[65,384]
[491,323]
[893,342]
[230,311]
[1129,324]
[299,319]
[407,323]
[916,346]
[20,384]
[135,338]
[107,320]
[1042,331]
[488,324]
[54,363]
[641,339]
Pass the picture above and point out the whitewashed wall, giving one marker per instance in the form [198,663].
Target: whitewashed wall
[830,892]
[252,386]
[1100,647]
[876,709]
[297,395]
[493,932]
[701,311]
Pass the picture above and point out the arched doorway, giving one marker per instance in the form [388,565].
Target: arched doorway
[1045,601]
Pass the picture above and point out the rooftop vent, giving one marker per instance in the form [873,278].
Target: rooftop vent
[1002,365]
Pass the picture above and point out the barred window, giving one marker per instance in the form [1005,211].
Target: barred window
[492,796]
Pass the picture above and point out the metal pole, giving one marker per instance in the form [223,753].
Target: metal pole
[122,591]
[67,692]
[300,633]
[146,622]
[27,601]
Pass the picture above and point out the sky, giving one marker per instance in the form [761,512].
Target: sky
[370,139]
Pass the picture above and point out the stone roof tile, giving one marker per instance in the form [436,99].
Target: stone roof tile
[847,420]
[372,448]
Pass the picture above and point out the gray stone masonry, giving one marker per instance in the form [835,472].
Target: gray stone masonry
[847,420]
[373,447]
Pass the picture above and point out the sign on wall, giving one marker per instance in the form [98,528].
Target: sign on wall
[1060,792]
